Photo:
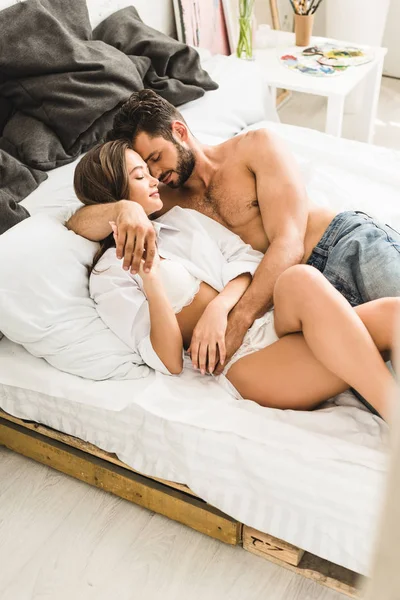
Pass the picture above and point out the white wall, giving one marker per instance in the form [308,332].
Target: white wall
[391,40]
[262,12]
[157,13]
[320,20]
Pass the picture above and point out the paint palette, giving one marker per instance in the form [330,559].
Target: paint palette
[346,56]
[308,65]
[326,60]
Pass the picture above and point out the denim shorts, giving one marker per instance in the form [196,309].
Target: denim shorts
[361,258]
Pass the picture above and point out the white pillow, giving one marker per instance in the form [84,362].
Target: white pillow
[242,99]
[45,303]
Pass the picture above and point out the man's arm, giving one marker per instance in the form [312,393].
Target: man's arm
[284,205]
[136,234]
[93,222]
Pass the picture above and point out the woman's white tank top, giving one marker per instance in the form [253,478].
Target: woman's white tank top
[180,286]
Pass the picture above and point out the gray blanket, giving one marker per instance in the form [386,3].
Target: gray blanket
[64,84]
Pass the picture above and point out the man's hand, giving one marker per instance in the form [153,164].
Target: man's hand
[136,236]
[235,332]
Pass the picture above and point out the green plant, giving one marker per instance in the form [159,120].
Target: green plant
[245,43]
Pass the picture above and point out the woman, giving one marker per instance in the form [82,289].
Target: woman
[310,348]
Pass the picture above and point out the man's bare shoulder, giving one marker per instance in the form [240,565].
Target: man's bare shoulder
[259,138]
[251,143]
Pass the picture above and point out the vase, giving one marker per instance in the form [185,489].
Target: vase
[245,44]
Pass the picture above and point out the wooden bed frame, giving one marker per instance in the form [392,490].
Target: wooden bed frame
[89,463]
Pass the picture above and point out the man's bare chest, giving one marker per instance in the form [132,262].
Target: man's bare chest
[231,205]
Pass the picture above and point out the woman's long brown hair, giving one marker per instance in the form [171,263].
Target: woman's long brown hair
[101,177]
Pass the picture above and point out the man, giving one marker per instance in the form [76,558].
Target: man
[253,187]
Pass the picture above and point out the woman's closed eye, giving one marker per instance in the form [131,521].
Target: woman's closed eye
[138,172]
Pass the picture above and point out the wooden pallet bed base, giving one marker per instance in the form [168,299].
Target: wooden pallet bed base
[303,563]
[88,463]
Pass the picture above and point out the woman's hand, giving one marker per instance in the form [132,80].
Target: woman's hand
[210,331]
[208,340]
[155,270]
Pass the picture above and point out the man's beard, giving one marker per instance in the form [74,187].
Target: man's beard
[186,164]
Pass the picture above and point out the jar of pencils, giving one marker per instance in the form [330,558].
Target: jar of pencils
[304,19]
[303,26]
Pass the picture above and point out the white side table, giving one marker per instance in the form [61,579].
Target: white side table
[336,89]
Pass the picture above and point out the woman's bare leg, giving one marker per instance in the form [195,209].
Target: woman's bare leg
[305,301]
[288,375]
[285,375]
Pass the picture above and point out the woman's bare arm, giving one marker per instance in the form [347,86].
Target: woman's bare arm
[165,334]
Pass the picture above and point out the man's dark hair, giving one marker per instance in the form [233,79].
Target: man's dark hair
[144,111]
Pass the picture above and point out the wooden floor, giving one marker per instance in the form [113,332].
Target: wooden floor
[310,111]
[61,539]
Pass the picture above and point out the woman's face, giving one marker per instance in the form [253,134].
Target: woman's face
[143,188]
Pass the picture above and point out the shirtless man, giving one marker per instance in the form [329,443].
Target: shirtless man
[253,187]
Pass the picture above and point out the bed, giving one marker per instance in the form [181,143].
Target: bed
[302,488]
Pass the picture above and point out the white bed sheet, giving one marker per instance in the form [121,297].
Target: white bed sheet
[314,479]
